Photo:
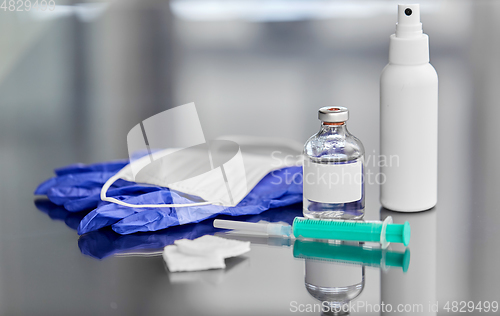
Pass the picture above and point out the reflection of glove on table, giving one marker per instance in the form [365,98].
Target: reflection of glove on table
[105,242]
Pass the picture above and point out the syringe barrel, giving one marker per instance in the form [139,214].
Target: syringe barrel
[336,229]
[348,230]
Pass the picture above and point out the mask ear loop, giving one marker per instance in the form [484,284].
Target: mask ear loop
[112,180]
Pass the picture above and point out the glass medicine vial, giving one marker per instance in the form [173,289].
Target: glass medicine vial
[333,172]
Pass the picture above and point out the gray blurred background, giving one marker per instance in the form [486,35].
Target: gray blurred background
[74,81]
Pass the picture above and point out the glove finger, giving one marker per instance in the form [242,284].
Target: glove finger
[110,213]
[60,196]
[92,201]
[61,193]
[103,216]
[45,186]
[152,219]
[85,180]
[112,166]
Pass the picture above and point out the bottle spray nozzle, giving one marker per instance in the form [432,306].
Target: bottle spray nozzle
[408,25]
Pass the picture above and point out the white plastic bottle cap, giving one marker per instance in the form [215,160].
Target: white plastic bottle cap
[333,114]
[408,25]
[409,45]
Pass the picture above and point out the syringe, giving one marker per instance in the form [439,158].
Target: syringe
[375,231]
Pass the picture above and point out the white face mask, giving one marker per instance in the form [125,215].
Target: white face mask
[221,172]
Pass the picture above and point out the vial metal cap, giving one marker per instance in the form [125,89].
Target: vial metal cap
[333,114]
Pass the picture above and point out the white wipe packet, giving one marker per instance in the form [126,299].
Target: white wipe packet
[209,245]
[204,253]
[178,261]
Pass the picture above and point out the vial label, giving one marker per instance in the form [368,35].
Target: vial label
[333,183]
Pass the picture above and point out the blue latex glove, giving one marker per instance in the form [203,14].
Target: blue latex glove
[78,187]
[125,220]
[79,181]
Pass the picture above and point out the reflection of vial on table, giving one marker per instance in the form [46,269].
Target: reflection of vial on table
[334,284]
[333,174]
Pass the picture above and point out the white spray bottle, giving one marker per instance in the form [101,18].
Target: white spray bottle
[408,119]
